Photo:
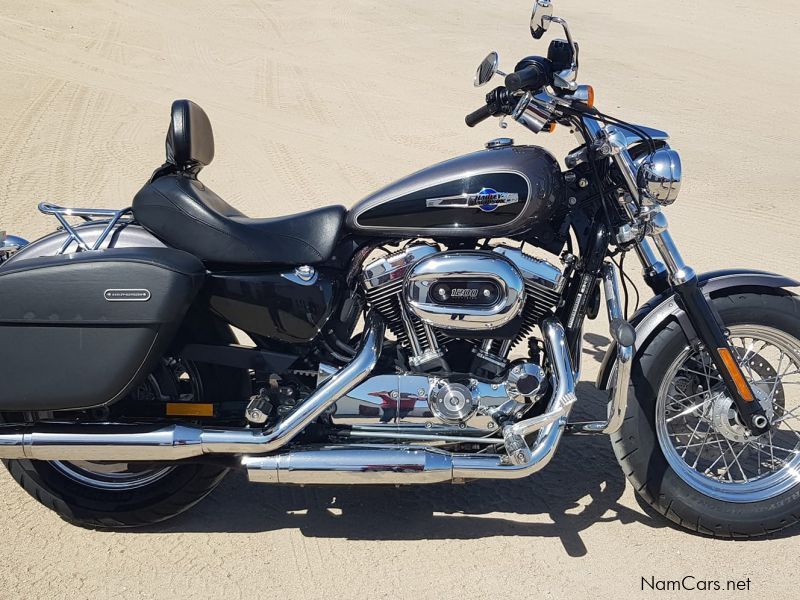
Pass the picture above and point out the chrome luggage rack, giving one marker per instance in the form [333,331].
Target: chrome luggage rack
[90,215]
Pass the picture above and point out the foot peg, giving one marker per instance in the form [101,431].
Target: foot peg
[259,408]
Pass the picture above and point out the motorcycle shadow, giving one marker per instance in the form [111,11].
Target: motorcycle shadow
[581,486]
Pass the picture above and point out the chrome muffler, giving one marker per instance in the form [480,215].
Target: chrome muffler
[176,442]
[398,464]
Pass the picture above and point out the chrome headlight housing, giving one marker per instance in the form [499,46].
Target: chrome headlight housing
[659,177]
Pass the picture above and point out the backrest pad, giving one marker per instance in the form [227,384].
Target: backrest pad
[190,140]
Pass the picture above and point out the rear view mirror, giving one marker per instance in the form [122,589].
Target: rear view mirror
[486,69]
[540,18]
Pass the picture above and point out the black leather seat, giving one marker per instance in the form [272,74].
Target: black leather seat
[180,210]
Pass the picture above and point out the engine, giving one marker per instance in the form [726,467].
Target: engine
[491,299]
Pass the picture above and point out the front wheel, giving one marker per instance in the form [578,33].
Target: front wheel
[682,445]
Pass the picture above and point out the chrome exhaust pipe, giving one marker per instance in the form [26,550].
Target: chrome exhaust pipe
[399,465]
[176,442]
[352,465]
[563,398]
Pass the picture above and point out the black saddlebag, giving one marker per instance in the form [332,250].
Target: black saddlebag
[81,330]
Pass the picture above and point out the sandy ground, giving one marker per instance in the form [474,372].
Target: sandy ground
[321,102]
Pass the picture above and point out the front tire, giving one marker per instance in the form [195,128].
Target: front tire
[681,445]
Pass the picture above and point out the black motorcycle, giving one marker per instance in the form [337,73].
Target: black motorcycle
[432,333]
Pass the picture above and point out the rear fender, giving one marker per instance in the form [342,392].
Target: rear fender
[651,317]
[125,235]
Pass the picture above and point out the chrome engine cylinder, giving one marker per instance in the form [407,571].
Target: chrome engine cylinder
[428,297]
[383,283]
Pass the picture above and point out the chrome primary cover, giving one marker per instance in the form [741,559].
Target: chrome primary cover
[412,403]
[465,290]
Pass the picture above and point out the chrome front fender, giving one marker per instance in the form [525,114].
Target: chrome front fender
[664,307]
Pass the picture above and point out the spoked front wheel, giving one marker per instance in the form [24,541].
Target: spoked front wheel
[682,444]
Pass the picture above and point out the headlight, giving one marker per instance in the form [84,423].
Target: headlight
[659,177]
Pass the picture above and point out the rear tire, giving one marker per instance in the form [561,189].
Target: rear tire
[716,508]
[178,490]
[117,494]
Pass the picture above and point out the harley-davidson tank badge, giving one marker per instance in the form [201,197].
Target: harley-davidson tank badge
[486,200]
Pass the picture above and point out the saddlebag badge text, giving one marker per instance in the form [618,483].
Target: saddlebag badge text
[122,295]
[486,200]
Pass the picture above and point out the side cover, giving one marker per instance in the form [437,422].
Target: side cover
[80,330]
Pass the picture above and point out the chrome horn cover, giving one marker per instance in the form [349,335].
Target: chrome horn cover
[659,177]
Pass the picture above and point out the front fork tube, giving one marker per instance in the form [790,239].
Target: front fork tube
[703,318]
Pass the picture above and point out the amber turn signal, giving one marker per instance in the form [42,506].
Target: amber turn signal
[736,374]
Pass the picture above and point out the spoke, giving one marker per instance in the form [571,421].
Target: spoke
[747,354]
[781,448]
[771,448]
[700,452]
[720,457]
[688,397]
[736,459]
[706,375]
[689,410]
[758,459]
[787,372]
[694,432]
[760,448]
[698,443]
[792,429]
[707,369]
[788,414]
[780,376]
[765,363]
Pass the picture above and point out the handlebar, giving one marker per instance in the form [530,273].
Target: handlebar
[532,77]
[531,74]
[483,113]
[496,103]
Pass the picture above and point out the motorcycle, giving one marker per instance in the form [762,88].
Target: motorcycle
[432,333]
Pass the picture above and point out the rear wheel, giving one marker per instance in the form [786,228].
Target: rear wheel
[112,494]
[682,444]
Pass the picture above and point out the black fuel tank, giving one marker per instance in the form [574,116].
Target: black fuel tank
[497,192]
